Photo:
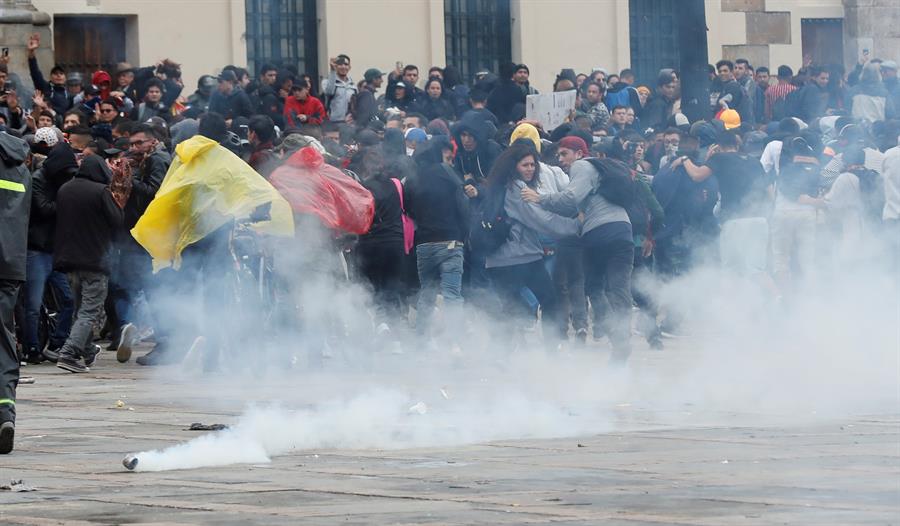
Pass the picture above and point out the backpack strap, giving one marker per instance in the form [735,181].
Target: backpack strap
[399,186]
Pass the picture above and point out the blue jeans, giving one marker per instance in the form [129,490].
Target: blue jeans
[132,272]
[38,272]
[440,269]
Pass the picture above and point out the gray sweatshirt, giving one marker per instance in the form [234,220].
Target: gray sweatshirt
[529,223]
[340,92]
[579,196]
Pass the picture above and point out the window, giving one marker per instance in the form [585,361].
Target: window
[282,32]
[654,38]
[478,35]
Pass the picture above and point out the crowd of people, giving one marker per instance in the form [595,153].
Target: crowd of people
[125,190]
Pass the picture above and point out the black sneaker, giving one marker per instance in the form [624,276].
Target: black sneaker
[73,365]
[7,434]
[126,342]
[157,356]
[32,356]
[91,355]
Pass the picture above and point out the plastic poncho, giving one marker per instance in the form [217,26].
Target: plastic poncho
[206,187]
[313,187]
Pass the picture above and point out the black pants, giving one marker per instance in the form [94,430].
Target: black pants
[568,276]
[381,264]
[9,360]
[509,281]
[608,268]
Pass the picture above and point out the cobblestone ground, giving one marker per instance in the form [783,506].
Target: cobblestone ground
[711,468]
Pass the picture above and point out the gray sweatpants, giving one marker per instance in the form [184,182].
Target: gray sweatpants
[89,290]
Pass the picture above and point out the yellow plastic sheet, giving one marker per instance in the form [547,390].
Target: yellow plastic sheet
[206,187]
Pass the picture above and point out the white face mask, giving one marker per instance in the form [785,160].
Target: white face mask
[409,151]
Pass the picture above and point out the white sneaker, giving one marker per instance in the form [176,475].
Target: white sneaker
[126,342]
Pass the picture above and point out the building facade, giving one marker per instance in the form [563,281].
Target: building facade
[548,35]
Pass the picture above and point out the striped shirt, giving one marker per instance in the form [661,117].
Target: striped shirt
[776,93]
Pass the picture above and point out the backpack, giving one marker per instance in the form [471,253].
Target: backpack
[615,183]
[618,98]
[492,225]
[409,227]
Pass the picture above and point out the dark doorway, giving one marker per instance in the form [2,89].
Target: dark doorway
[478,35]
[822,40]
[89,43]
[282,33]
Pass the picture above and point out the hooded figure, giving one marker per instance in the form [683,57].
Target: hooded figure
[507,100]
[869,99]
[59,167]
[206,187]
[476,152]
[87,216]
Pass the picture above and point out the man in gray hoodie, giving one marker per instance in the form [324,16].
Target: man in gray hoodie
[608,247]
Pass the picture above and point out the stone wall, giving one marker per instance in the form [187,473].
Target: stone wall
[873,25]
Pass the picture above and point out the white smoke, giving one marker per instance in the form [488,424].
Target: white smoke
[829,348]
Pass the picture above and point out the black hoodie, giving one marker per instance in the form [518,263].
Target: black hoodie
[478,162]
[86,218]
[58,169]
[435,199]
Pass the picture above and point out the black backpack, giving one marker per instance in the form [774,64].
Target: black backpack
[615,183]
[491,226]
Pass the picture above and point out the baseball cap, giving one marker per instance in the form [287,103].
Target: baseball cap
[731,118]
[575,144]
[372,73]
[47,136]
[889,64]
[227,76]
[74,78]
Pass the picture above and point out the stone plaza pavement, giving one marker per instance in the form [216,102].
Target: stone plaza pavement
[768,469]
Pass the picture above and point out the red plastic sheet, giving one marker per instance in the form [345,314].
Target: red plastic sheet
[313,187]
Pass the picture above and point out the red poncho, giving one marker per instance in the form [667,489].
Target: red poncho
[313,187]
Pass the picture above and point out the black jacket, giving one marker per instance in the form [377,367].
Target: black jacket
[441,108]
[231,106]
[366,107]
[15,204]
[387,226]
[479,162]
[507,101]
[435,199]
[58,169]
[55,94]
[657,112]
[86,219]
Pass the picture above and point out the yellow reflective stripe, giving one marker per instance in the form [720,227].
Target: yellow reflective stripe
[7,401]
[11,185]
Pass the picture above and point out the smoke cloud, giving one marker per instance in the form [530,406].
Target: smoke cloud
[829,348]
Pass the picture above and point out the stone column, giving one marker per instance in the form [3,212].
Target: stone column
[18,20]
[872,25]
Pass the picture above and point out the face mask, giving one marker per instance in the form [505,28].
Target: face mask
[409,151]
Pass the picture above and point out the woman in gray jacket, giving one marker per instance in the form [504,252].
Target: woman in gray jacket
[518,262]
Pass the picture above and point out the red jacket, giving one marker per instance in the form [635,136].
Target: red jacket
[311,107]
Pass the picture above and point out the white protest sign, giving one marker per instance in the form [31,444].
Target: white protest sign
[550,109]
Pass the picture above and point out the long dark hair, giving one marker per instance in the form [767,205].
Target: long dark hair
[504,170]
[431,81]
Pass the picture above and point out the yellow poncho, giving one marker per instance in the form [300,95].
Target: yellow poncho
[205,187]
